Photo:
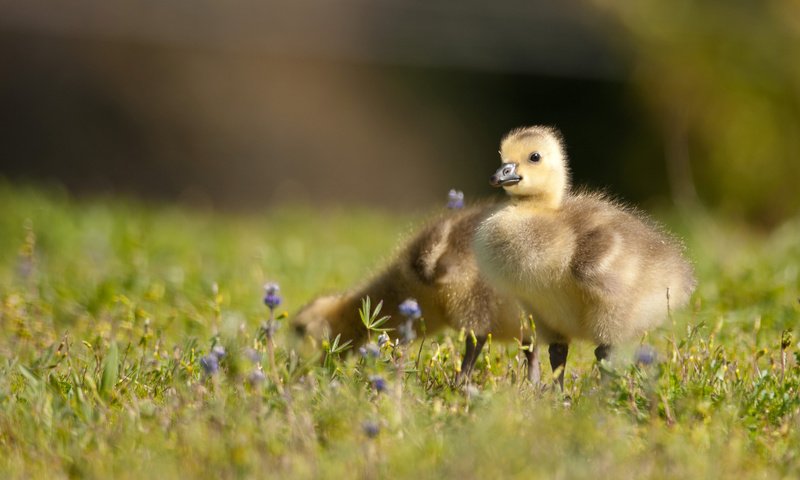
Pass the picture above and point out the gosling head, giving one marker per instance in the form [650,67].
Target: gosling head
[534,165]
[315,319]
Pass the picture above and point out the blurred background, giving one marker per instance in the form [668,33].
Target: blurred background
[245,104]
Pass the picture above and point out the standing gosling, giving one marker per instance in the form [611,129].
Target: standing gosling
[437,268]
[585,267]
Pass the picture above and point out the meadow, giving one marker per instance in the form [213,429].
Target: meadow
[132,344]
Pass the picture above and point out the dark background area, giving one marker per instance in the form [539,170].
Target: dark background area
[244,104]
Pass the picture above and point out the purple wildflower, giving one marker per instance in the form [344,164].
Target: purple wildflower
[455,199]
[370,350]
[407,332]
[271,297]
[645,355]
[252,354]
[218,351]
[383,339]
[210,364]
[378,383]
[410,309]
[371,428]
[256,377]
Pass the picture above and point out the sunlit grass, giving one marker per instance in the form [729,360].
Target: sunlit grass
[108,307]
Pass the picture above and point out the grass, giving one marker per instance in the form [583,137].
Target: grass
[107,308]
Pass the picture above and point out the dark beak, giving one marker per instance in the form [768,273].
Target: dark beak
[300,330]
[505,176]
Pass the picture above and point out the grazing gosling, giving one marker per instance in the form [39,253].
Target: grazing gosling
[586,267]
[437,268]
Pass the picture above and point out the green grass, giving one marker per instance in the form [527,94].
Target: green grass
[108,306]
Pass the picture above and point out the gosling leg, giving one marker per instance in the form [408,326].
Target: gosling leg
[473,349]
[602,352]
[558,361]
[534,368]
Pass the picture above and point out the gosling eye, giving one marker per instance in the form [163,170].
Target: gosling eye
[535,157]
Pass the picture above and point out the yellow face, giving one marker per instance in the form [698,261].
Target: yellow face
[533,165]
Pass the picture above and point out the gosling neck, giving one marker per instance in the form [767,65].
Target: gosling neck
[551,200]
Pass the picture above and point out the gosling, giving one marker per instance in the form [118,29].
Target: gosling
[584,266]
[436,267]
